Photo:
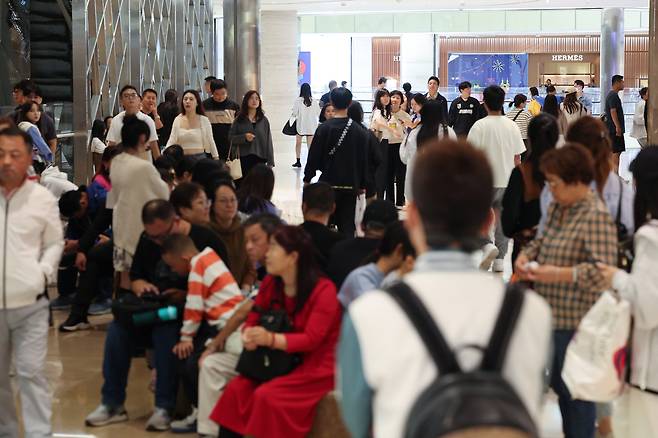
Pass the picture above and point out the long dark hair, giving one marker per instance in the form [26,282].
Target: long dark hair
[256,189]
[244,108]
[295,239]
[355,111]
[593,134]
[543,134]
[305,92]
[645,173]
[23,110]
[550,106]
[199,103]
[108,155]
[323,112]
[385,110]
[571,104]
[432,117]
[98,130]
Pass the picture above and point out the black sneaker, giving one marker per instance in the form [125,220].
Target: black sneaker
[297,164]
[62,302]
[74,323]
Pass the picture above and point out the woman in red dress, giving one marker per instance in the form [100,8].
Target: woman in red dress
[285,406]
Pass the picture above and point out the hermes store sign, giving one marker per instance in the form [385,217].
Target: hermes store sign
[573,58]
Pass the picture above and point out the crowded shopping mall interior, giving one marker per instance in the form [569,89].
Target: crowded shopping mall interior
[329,219]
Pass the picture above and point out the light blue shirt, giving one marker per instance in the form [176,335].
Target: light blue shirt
[360,281]
[586,102]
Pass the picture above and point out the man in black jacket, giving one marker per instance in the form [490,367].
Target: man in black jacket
[340,151]
[150,275]
[464,111]
[318,204]
[433,93]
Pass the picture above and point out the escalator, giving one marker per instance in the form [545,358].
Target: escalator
[51,48]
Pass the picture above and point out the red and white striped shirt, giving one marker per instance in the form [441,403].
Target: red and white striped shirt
[212,294]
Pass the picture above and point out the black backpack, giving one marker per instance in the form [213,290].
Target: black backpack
[479,401]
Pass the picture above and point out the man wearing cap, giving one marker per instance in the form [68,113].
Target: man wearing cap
[349,254]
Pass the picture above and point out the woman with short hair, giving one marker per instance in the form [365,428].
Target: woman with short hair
[579,234]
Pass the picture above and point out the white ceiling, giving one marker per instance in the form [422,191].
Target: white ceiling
[355,6]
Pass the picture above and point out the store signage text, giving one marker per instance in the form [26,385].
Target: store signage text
[396,58]
[567,58]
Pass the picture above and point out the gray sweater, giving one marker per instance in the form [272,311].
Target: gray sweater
[261,146]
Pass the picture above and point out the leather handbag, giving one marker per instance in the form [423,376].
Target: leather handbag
[264,363]
[234,165]
[290,128]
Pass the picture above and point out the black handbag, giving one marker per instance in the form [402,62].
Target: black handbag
[264,363]
[625,252]
[289,129]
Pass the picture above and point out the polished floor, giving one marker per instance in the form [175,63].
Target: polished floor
[74,359]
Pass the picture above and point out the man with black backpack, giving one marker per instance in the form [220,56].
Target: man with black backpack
[448,350]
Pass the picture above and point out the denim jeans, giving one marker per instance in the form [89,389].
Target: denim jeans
[578,417]
[120,344]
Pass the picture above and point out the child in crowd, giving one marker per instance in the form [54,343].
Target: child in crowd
[213,296]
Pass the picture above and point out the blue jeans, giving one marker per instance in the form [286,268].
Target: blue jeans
[578,417]
[120,344]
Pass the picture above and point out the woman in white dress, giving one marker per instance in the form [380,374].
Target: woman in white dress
[192,130]
[433,125]
[306,112]
[639,131]
[97,144]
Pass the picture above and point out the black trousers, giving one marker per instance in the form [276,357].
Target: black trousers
[99,267]
[188,369]
[396,171]
[248,162]
[381,176]
[343,217]
[67,275]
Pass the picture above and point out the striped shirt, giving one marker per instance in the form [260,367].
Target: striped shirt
[212,294]
[522,119]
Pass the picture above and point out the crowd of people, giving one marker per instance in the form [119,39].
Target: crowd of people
[178,237]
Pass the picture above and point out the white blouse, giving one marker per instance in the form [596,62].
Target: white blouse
[97,146]
[196,140]
[307,117]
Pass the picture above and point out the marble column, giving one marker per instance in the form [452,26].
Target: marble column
[241,46]
[280,46]
[652,112]
[612,47]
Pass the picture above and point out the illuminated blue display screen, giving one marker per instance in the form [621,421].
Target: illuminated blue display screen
[487,69]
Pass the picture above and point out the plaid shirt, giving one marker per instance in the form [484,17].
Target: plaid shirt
[578,235]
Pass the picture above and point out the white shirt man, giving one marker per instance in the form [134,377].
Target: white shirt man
[130,101]
[31,244]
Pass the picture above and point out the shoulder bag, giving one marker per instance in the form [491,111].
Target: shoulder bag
[234,165]
[290,128]
[625,254]
[264,363]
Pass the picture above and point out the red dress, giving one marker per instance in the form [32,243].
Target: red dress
[285,406]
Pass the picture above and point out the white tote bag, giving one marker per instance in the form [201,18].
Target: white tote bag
[596,358]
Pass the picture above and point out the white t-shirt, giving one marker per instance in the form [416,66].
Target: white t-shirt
[500,139]
[97,145]
[114,134]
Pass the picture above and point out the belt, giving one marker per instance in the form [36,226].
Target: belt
[342,187]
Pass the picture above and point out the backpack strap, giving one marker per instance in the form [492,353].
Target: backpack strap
[426,328]
[496,351]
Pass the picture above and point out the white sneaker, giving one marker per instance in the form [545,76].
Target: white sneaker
[186,425]
[489,254]
[104,415]
[159,421]
[498,265]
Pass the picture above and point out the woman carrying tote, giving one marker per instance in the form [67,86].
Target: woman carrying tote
[285,406]
[306,112]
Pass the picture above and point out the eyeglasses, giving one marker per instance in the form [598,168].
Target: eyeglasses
[130,95]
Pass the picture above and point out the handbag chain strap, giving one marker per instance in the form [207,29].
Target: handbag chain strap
[341,139]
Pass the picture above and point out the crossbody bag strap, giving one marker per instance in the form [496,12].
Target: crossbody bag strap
[496,351]
[333,150]
[621,199]
[429,332]
[517,115]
